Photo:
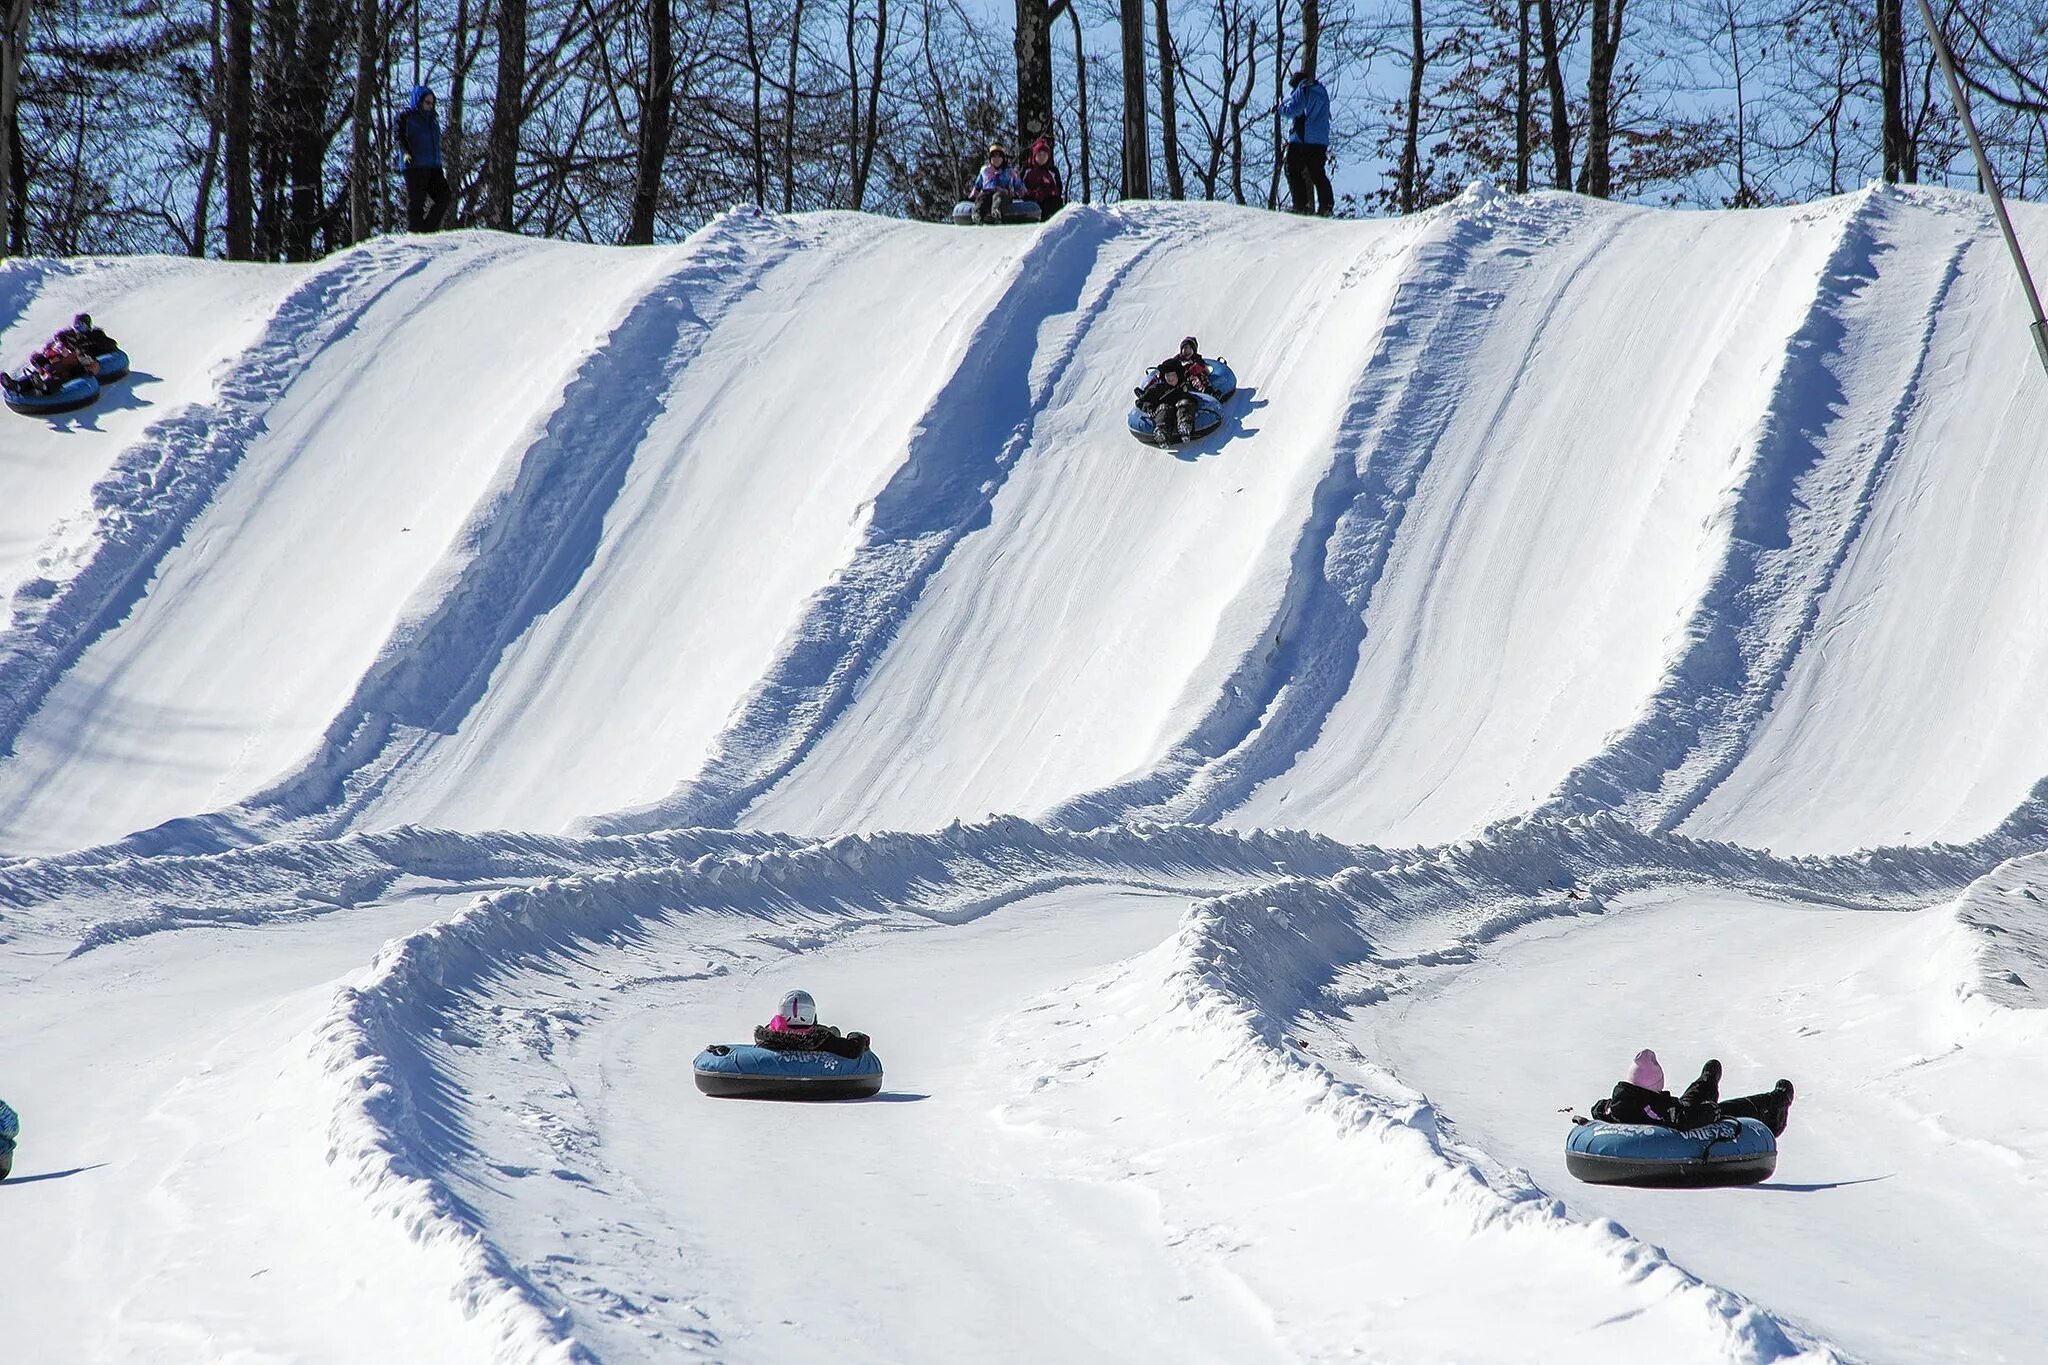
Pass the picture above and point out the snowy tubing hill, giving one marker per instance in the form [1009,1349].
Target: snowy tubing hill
[446,687]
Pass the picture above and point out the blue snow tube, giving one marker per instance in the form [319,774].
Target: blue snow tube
[1208,417]
[1725,1152]
[113,365]
[1020,211]
[1222,379]
[75,393]
[743,1071]
[10,1129]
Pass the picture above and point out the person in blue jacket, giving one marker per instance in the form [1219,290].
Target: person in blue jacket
[1307,111]
[995,187]
[418,133]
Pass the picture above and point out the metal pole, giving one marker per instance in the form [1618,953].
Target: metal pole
[2012,241]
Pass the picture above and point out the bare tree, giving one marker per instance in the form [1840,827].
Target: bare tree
[1596,176]
[1410,139]
[13,179]
[1137,139]
[362,168]
[1900,163]
[508,117]
[657,93]
[1169,114]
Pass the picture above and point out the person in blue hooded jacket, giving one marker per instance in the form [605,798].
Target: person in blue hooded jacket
[1307,111]
[418,134]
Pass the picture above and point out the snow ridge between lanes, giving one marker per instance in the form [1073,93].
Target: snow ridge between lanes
[1849,384]
[973,433]
[159,484]
[528,544]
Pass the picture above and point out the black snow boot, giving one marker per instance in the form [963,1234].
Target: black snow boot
[1781,1113]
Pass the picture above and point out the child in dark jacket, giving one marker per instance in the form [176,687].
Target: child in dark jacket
[86,339]
[1042,181]
[1192,365]
[1642,1098]
[795,1028]
[1169,402]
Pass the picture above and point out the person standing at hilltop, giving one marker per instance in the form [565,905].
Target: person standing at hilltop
[1307,111]
[418,133]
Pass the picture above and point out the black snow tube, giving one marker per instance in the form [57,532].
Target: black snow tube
[1725,1152]
[741,1071]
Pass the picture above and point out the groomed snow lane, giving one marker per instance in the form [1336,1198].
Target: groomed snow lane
[1906,1219]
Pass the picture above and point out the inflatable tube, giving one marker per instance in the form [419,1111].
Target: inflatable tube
[742,1071]
[1021,211]
[76,393]
[1726,1152]
[113,366]
[1222,379]
[10,1129]
[1208,417]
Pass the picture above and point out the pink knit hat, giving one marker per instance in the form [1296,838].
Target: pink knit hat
[1647,1074]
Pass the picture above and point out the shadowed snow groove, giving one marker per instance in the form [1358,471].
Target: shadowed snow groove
[21,280]
[528,547]
[159,484]
[1803,501]
[973,433]
[1276,702]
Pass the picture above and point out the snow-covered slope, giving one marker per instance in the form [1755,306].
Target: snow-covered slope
[831,524]
[452,681]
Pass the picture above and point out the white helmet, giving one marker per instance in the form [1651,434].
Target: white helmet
[798,1008]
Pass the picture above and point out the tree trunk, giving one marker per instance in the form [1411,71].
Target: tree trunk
[1311,35]
[1560,104]
[1034,73]
[1522,97]
[238,134]
[1081,84]
[363,169]
[796,38]
[1279,94]
[1169,117]
[1137,137]
[1596,174]
[1411,136]
[16,37]
[451,127]
[871,136]
[1891,57]
[308,87]
[657,94]
[508,115]
[760,157]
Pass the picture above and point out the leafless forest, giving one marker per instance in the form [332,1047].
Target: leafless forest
[261,129]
